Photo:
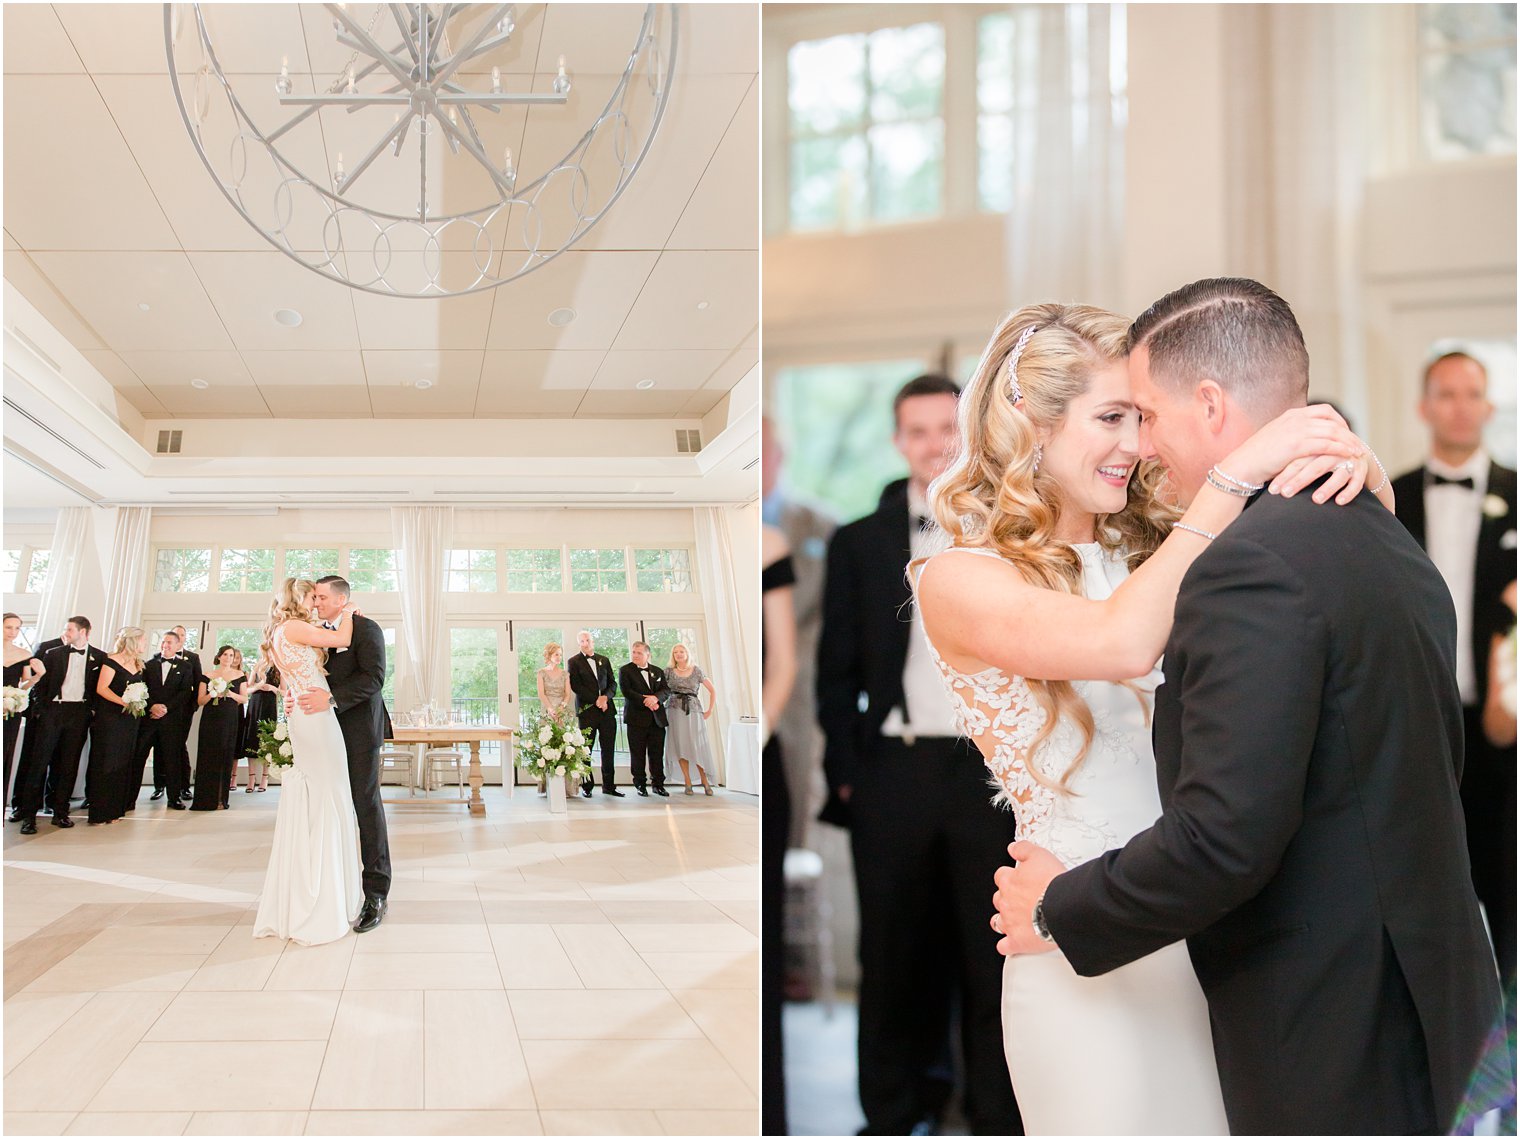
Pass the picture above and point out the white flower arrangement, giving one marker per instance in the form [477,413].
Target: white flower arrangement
[15,701]
[218,687]
[136,696]
[274,745]
[547,748]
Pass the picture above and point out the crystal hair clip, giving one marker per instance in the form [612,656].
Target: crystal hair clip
[1014,390]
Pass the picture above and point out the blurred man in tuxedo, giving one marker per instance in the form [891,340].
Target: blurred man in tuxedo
[191,660]
[172,685]
[914,794]
[644,694]
[29,740]
[1460,506]
[594,686]
[64,700]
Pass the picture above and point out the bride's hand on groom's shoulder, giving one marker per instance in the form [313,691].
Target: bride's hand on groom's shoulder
[1018,889]
[1298,447]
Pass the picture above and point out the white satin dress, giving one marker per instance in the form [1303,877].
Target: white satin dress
[1129,1052]
[313,889]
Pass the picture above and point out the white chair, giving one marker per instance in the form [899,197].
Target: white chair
[806,933]
[399,761]
[442,761]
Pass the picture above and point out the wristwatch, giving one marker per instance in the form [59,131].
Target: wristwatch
[1042,931]
[332,701]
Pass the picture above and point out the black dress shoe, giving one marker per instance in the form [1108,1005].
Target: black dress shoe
[586,790]
[62,821]
[371,915]
[612,791]
[176,805]
[28,826]
[644,791]
[84,804]
[662,791]
[158,793]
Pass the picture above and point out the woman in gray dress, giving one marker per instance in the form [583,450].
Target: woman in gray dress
[686,738]
[553,690]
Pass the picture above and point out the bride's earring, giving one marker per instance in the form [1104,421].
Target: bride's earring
[1039,453]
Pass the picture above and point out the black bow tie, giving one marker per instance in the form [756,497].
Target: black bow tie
[1442,480]
[81,652]
[920,521]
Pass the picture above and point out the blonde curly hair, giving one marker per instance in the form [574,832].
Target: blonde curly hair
[992,496]
[130,643]
[292,602]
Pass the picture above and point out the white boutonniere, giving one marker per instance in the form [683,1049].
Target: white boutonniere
[1507,541]
[1494,506]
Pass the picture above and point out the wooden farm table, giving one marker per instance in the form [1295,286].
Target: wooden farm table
[453,734]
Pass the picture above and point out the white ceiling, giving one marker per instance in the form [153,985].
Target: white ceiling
[108,208]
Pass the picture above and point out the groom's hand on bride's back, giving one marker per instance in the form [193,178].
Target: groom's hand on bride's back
[1018,889]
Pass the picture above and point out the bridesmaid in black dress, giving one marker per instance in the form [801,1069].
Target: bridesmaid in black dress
[778,670]
[113,730]
[263,708]
[221,732]
[22,668]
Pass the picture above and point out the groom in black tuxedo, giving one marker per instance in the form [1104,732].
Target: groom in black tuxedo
[65,699]
[165,728]
[356,675]
[1308,743]
[644,694]
[592,682]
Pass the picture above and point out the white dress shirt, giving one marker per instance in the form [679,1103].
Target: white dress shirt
[1453,517]
[72,689]
[168,664]
[928,705]
[591,663]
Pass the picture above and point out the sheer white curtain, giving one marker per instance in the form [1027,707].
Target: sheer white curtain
[127,572]
[730,665]
[422,535]
[1066,222]
[73,547]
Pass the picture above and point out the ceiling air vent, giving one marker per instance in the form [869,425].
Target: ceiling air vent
[168,442]
[688,442]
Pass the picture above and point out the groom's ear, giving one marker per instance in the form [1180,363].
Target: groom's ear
[1211,405]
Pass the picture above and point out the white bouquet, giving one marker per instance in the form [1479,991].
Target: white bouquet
[15,701]
[274,745]
[136,696]
[547,748]
[218,687]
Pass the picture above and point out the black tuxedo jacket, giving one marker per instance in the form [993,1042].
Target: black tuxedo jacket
[587,686]
[634,691]
[193,660]
[1494,558]
[56,661]
[1311,847]
[179,693]
[863,643]
[355,675]
[49,645]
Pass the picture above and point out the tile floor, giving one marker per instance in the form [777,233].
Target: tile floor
[594,973]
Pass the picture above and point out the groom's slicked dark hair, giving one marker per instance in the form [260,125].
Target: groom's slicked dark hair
[339,585]
[1234,331]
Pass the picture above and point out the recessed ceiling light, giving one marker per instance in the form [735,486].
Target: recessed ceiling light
[561,317]
[289,317]
[644,385]
[199,384]
[702,306]
[143,306]
[423,385]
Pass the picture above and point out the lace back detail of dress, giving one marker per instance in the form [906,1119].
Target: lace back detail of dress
[297,664]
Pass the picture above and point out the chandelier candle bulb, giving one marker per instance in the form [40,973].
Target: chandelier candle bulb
[562,81]
[496,81]
[282,84]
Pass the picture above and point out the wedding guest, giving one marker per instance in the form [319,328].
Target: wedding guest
[644,691]
[113,729]
[553,691]
[221,730]
[237,662]
[22,670]
[193,659]
[172,692]
[1460,506]
[778,671]
[923,828]
[686,739]
[594,686]
[29,737]
[808,527]
[1499,708]
[63,725]
[263,708]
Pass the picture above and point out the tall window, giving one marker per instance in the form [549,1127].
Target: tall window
[372,570]
[37,571]
[311,563]
[867,133]
[472,571]
[182,571]
[244,638]
[1467,79]
[662,571]
[533,571]
[598,571]
[246,571]
[10,568]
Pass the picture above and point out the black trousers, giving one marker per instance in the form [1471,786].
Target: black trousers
[601,727]
[775,826]
[646,748]
[165,738]
[12,730]
[926,840]
[62,730]
[374,841]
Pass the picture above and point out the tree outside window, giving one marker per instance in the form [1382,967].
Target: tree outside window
[10,568]
[311,563]
[662,571]
[534,571]
[471,571]
[244,638]
[246,571]
[182,571]
[373,570]
[37,571]
[598,571]
[1467,79]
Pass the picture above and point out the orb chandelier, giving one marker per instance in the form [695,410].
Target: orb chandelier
[401,175]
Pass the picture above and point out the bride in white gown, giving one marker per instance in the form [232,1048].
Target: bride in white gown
[313,889]
[1049,511]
